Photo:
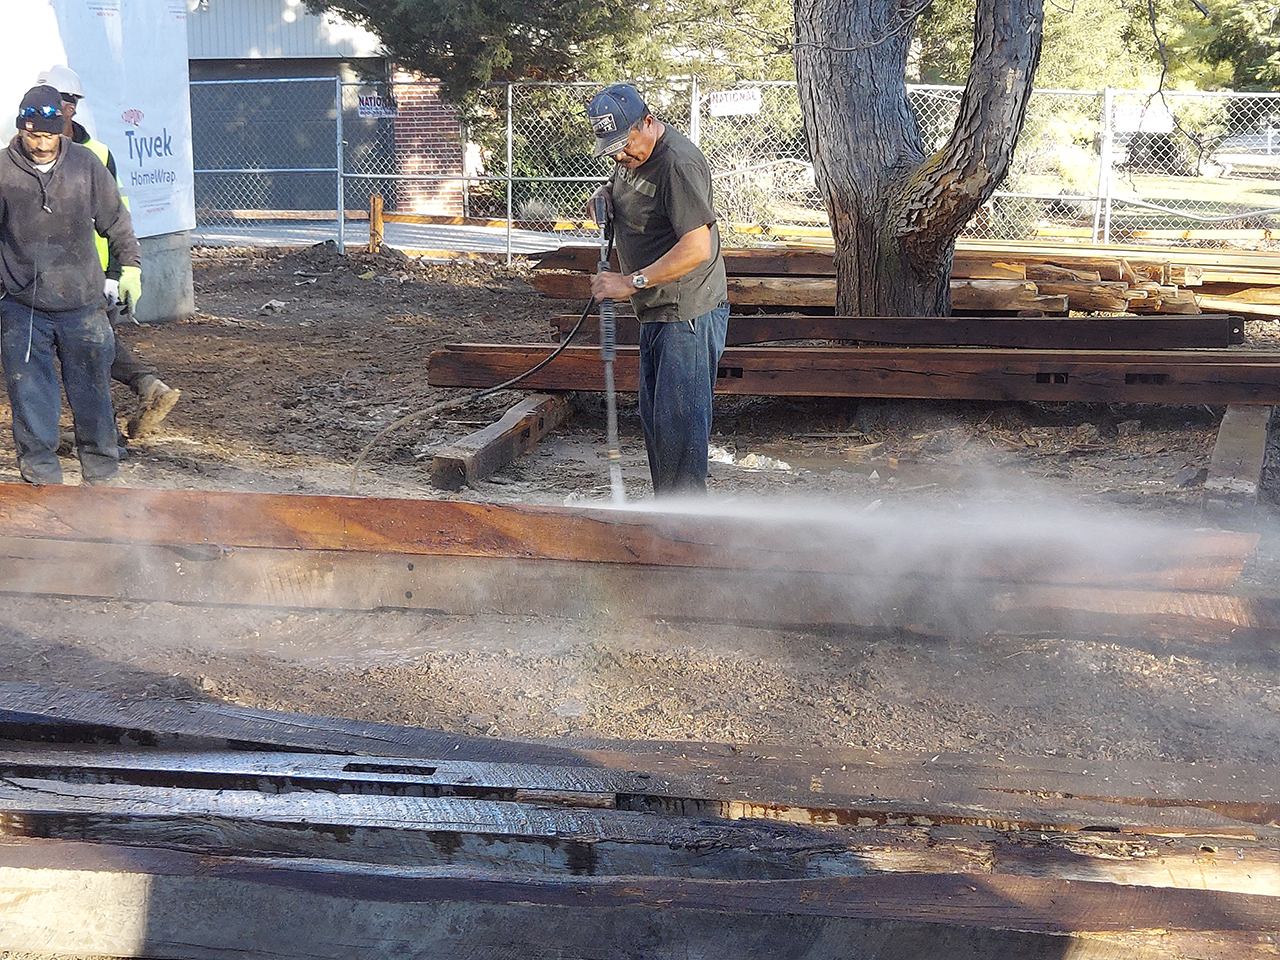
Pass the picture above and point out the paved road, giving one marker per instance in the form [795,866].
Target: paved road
[403,236]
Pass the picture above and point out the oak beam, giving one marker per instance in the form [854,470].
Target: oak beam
[479,454]
[1157,376]
[1235,469]
[1044,333]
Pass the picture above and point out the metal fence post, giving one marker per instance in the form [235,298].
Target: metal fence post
[341,164]
[511,134]
[1104,172]
[466,174]
[695,114]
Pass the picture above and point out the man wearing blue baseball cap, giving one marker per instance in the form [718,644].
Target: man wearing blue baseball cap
[659,196]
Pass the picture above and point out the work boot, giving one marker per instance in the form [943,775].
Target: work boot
[155,400]
[112,481]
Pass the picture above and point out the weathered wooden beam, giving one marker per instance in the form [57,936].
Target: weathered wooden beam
[1048,272]
[1004,295]
[1235,469]
[1168,376]
[551,833]
[531,820]
[33,712]
[210,527]
[1185,267]
[1210,302]
[964,267]
[825,786]
[1057,252]
[77,898]
[1254,294]
[375,222]
[948,602]
[1089,296]
[771,263]
[1044,333]
[596,803]
[790,568]
[479,454]
[809,292]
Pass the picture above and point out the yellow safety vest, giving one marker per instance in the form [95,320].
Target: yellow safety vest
[101,152]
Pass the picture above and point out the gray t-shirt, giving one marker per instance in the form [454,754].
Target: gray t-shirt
[653,207]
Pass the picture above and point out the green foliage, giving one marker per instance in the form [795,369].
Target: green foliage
[944,43]
[1057,146]
[468,43]
[1247,42]
[471,43]
[1087,44]
[719,40]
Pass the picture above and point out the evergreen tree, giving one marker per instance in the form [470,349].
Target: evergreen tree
[468,43]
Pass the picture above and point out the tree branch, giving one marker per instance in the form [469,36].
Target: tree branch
[949,187]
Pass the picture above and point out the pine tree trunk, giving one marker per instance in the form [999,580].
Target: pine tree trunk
[895,212]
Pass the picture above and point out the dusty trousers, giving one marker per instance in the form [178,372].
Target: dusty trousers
[678,363]
[32,342]
[126,368]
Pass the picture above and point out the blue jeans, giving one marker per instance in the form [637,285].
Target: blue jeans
[31,343]
[678,364]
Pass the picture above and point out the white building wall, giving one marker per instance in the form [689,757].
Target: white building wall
[259,29]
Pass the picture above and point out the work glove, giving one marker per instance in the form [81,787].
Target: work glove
[131,286]
[111,290]
[605,190]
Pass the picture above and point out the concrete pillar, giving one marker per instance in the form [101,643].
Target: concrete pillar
[168,292]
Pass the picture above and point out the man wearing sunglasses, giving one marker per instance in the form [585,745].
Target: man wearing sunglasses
[55,196]
[155,397]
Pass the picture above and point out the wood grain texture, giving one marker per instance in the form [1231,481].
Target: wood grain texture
[1171,376]
[1041,333]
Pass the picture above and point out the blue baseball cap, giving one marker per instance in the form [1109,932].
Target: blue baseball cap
[612,113]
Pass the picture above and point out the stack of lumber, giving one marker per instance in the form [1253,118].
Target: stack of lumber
[1017,344]
[1098,280]
[1244,281]
[995,279]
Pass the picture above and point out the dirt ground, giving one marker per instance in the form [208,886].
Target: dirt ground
[295,360]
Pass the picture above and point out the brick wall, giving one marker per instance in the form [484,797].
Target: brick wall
[428,142]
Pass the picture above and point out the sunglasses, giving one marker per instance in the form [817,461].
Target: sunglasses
[48,111]
[71,98]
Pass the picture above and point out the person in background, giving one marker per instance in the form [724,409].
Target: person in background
[55,196]
[155,397]
[668,242]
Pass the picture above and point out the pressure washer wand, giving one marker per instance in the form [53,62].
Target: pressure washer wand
[609,353]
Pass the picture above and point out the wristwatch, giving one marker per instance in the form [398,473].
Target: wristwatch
[639,281]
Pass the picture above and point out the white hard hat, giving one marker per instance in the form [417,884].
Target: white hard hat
[63,79]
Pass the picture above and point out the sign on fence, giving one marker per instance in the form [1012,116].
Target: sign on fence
[734,103]
[1143,116]
[377,106]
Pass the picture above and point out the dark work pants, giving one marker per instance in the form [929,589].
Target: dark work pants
[83,342]
[678,364]
[126,368]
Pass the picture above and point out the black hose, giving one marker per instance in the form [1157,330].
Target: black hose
[473,398]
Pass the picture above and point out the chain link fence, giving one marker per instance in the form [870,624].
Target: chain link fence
[1202,163]
[264,145]
[1103,166]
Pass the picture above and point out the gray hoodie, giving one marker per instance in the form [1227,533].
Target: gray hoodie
[48,259]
